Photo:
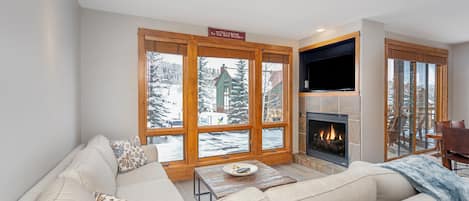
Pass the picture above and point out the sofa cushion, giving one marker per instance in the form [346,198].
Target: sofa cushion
[148,172]
[103,146]
[161,189]
[355,185]
[247,194]
[420,197]
[63,189]
[151,152]
[129,156]
[390,185]
[90,170]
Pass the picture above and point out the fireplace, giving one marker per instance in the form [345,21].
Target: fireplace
[326,137]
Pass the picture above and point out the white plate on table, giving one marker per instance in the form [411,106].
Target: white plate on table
[232,167]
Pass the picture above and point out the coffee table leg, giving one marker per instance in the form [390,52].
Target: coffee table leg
[198,189]
[197,192]
[193,181]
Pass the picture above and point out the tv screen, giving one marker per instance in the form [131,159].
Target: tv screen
[337,73]
[328,68]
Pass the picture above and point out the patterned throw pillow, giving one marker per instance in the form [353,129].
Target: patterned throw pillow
[105,197]
[129,155]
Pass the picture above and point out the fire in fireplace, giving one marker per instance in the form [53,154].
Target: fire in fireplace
[327,137]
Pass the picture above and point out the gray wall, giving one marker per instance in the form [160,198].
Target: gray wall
[38,82]
[459,82]
[109,59]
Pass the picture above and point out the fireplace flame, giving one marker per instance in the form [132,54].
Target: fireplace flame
[329,136]
[321,134]
[332,134]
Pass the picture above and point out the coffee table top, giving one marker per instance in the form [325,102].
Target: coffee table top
[222,184]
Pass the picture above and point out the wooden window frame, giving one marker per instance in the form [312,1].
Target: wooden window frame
[395,49]
[180,170]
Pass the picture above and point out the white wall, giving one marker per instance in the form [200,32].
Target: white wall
[372,90]
[459,82]
[371,82]
[331,33]
[38,84]
[109,61]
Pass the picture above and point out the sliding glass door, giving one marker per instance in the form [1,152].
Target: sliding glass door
[411,107]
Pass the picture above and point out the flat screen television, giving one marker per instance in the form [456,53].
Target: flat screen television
[329,68]
[337,74]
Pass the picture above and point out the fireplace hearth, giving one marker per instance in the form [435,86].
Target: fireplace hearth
[326,137]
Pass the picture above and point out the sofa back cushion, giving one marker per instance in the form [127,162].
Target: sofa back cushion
[351,185]
[63,189]
[390,185]
[90,170]
[103,146]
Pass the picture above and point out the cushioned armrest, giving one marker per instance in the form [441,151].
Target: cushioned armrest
[247,194]
[357,164]
[420,197]
[151,152]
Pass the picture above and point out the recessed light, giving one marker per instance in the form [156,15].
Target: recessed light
[320,30]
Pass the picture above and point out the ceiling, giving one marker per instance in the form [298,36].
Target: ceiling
[436,20]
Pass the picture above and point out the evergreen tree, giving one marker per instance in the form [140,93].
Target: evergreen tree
[239,98]
[204,85]
[157,108]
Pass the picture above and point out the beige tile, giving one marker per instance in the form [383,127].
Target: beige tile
[302,143]
[354,131]
[318,164]
[350,105]
[301,104]
[329,104]
[302,123]
[313,104]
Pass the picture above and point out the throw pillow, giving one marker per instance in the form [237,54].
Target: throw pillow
[129,155]
[105,197]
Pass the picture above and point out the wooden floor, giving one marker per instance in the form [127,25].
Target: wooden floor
[293,170]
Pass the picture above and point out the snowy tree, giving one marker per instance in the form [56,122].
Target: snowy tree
[204,85]
[239,98]
[157,108]
[267,86]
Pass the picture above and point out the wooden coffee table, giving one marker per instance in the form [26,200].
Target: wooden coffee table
[220,184]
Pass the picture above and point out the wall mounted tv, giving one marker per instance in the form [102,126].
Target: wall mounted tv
[328,68]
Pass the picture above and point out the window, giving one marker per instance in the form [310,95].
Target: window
[223,91]
[163,108]
[273,98]
[164,90]
[223,143]
[415,97]
[272,138]
[170,147]
[272,92]
[207,100]
[223,100]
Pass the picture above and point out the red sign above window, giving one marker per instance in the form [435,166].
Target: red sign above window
[223,33]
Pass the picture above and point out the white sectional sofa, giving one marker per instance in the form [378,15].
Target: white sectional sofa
[93,168]
[361,182]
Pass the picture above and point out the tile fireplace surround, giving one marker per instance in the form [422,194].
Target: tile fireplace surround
[349,105]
